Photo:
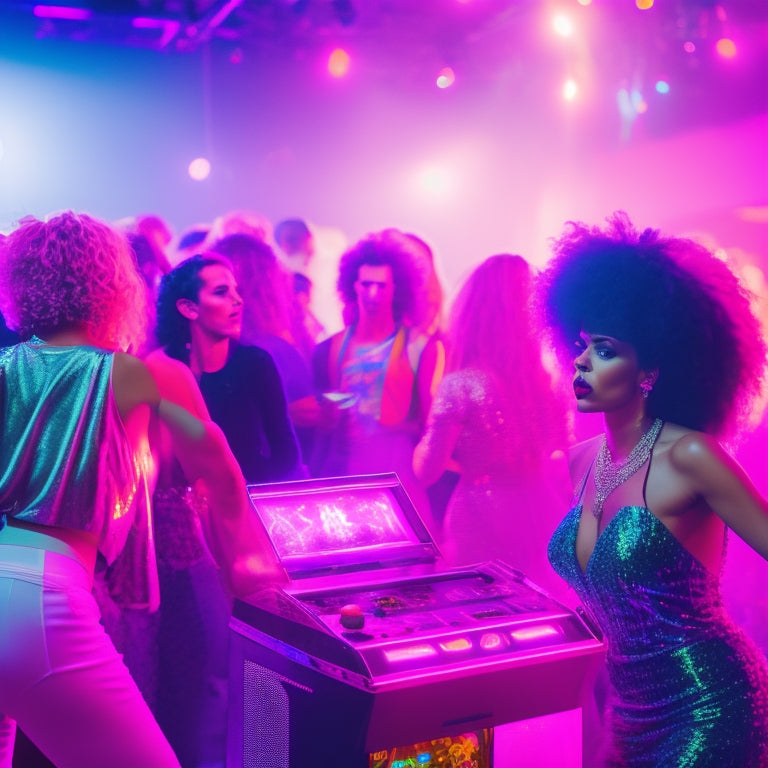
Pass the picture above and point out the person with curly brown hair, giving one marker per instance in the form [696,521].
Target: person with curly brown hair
[381,368]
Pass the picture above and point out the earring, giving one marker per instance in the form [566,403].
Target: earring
[646,385]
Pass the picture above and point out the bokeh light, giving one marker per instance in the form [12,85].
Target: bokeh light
[662,86]
[199,169]
[338,63]
[562,25]
[445,78]
[726,47]
[644,5]
[434,183]
[570,89]
[689,46]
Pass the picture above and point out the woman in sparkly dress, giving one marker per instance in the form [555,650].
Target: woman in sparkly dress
[497,423]
[669,352]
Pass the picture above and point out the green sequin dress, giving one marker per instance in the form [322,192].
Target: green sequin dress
[689,688]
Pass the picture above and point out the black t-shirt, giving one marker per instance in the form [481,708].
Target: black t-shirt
[247,400]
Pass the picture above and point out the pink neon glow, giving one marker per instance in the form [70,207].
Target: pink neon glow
[490,641]
[534,633]
[170,27]
[459,644]
[61,12]
[410,652]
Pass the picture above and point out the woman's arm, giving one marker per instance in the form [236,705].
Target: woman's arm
[198,444]
[429,375]
[176,383]
[717,478]
[235,538]
[432,456]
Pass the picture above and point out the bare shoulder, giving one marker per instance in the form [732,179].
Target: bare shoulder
[581,455]
[158,360]
[132,384]
[176,382]
[696,458]
[690,451]
[130,372]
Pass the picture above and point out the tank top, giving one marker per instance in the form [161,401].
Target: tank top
[66,461]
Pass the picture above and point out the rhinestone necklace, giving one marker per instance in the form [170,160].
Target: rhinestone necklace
[609,475]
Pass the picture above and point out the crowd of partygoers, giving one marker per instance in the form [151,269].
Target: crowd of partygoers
[147,379]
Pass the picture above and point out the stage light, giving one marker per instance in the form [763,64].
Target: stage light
[562,25]
[199,169]
[726,47]
[445,78]
[584,2]
[662,86]
[689,46]
[570,89]
[435,181]
[61,12]
[338,63]
[644,5]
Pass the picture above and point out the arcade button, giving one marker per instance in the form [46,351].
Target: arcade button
[351,616]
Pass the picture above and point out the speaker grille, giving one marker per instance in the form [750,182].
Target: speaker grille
[266,726]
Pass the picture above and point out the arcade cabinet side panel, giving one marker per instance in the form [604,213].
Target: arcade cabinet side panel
[285,714]
[495,695]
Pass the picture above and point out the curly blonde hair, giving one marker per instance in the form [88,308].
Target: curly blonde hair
[72,269]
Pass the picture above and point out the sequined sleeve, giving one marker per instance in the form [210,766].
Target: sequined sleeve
[444,424]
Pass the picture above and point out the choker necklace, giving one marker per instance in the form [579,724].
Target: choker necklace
[609,475]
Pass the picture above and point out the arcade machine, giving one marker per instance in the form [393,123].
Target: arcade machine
[373,655]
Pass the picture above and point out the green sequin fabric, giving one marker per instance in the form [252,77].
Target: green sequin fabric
[65,459]
[689,688]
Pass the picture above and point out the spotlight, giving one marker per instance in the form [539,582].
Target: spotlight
[726,47]
[570,89]
[562,25]
[199,169]
[445,78]
[338,63]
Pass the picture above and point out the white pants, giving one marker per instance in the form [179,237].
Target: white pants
[61,678]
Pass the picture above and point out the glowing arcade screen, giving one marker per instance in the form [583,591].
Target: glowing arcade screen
[470,750]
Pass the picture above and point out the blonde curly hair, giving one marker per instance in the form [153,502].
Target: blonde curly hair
[72,269]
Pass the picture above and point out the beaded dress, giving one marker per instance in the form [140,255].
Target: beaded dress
[689,688]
